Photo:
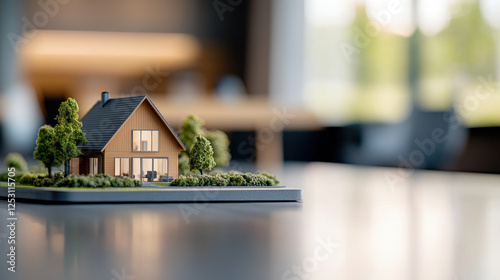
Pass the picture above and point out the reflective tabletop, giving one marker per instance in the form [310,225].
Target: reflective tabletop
[354,223]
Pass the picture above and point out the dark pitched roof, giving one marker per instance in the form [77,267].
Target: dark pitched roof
[100,124]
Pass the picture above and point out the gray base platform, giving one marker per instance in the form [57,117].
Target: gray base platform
[157,194]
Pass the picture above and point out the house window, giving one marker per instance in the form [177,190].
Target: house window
[150,169]
[145,140]
[136,168]
[161,168]
[93,166]
[136,140]
[122,167]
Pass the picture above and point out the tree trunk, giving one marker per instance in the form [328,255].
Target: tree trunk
[67,167]
[201,171]
[49,168]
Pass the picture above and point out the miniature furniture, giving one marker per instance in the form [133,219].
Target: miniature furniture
[151,175]
[166,178]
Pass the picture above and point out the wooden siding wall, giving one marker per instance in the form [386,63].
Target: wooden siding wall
[120,145]
[75,166]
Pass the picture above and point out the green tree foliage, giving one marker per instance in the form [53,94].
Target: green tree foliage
[201,156]
[183,164]
[191,127]
[60,144]
[220,144]
[17,161]
[45,151]
[69,132]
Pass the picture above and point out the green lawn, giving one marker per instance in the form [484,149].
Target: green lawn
[161,184]
[17,185]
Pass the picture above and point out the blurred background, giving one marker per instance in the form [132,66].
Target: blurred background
[410,83]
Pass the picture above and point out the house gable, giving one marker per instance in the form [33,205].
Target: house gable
[143,118]
[102,123]
[146,116]
[121,144]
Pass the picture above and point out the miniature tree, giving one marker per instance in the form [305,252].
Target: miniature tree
[220,144]
[191,127]
[17,161]
[201,156]
[69,132]
[45,151]
[60,144]
[183,163]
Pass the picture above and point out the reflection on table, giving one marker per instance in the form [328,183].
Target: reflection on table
[355,223]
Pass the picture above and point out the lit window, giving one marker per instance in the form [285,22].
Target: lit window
[137,140]
[122,167]
[93,166]
[145,140]
[161,168]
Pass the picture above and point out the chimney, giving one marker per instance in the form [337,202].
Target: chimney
[104,97]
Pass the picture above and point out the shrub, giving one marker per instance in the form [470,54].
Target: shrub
[97,181]
[272,177]
[38,182]
[237,180]
[105,176]
[70,181]
[47,182]
[43,182]
[17,161]
[219,180]
[59,175]
[248,178]
[28,179]
[137,183]
[225,179]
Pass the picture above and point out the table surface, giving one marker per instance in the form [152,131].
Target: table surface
[354,223]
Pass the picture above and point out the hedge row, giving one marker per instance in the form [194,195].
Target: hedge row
[97,181]
[40,180]
[232,178]
[78,181]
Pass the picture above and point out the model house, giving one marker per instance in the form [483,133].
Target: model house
[128,137]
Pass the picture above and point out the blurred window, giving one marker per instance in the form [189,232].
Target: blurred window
[361,56]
